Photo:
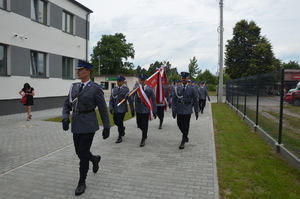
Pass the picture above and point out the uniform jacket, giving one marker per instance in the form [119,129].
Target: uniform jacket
[90,97]
[117,95]
[183,102]
[140,107]
[202,92]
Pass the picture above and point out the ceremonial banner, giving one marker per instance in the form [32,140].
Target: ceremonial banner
[155,81]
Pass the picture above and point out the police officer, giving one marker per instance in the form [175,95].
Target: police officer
[172,87]
[118,93]
[184,98]
[161,107]
[82,100]
[203,94]
[141,109]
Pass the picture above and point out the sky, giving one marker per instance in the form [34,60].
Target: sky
[178,30]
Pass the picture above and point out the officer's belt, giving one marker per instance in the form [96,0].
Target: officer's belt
[81,111]
[139,101]
[117,100]
[183,102]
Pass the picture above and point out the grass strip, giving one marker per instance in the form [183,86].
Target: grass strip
[247,166]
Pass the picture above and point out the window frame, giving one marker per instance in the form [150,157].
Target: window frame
[104,85]
[4,4]
[67,68]
[34,64]
[4,60]
[35,10]
[67,22]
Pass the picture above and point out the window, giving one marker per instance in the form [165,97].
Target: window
[3,58]
[67,22]
[38,64]
[104,85]
[39,11]
[67,67]
[3,4]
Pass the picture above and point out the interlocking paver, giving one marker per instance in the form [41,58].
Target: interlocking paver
[38,160]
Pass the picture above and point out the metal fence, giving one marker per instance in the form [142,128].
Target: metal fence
[260,100]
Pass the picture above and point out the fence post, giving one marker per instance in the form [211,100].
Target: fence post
[245,87]
[257,101]
[281,107]
[237,94]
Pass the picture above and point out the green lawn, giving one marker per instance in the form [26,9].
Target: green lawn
[247,166]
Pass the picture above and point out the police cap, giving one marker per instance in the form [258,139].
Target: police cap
[83,64]
[120,78]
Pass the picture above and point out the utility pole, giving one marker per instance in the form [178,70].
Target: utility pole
[220,30]
[98,64]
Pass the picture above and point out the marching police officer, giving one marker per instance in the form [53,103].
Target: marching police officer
[117,95]
[172,87]
[203,94]
[161,107]
[82,100]
[141,106]
[184,98]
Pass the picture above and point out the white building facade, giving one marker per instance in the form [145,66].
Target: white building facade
[40,44]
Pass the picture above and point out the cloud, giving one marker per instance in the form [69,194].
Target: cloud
[176,30]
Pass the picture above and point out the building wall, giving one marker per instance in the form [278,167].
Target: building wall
[21,35]
[111,80]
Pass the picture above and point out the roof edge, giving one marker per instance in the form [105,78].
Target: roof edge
[82,6]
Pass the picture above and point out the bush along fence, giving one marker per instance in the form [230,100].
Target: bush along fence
[269,103]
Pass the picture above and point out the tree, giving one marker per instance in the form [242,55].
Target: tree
[207,76]
[290,65]
[249,53]
[193,68]
[113,52]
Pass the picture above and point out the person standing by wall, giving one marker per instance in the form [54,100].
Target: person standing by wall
[184,99]
[143,107]
[28,91]
[118,93]
[82,100]
[203,94]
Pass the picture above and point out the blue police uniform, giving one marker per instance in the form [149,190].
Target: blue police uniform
[184,99]
[82,100]
[203,94]
[117,95]
[142,111]
[161,107]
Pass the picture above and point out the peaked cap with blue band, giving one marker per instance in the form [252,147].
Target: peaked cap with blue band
[142,76]
[184,74]
[120,78]
[83,64]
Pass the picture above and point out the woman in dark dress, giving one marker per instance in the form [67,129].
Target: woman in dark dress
[29,92]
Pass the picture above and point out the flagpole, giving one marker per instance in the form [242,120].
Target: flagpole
[132,92]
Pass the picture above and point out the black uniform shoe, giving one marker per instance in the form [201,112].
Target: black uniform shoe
[142,143]
[181,145]
[160,127]
[119,140]
[80,189]
[187,139]
[96,163]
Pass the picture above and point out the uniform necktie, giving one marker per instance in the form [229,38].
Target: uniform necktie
[183,88]
[118,88]
[81,87]
[143,88]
